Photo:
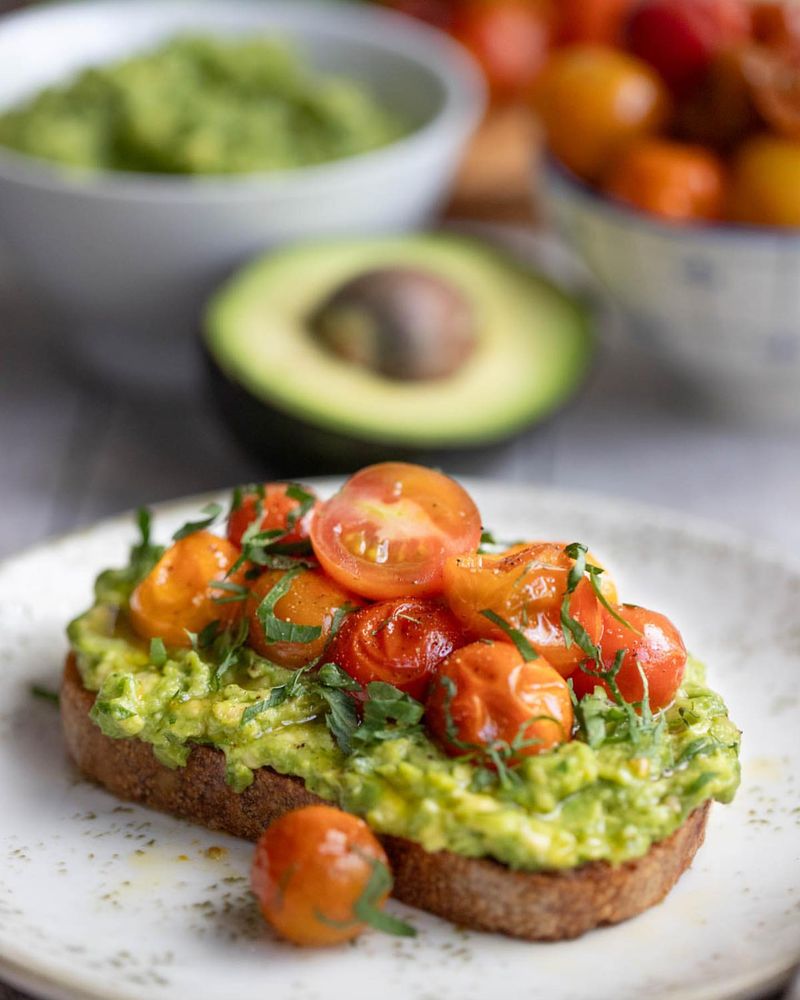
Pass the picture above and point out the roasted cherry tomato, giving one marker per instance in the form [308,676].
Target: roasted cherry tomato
[509,38]
[400,642]
[178,593]
[525,588]
[593,100]
[669,179]
[653,643]
[389,529]
[599,21]
[681,37]
[486,694]
[766,182]
[277,508]
[311,601]
[311,868]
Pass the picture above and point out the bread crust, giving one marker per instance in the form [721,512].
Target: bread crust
[477,893]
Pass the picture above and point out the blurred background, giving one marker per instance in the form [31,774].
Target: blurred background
[552,242]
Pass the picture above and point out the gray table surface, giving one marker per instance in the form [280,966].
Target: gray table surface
[73,450]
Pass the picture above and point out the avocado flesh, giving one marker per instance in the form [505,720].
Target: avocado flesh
[533,344]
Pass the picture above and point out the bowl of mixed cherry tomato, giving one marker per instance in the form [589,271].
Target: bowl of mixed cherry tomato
[672,130]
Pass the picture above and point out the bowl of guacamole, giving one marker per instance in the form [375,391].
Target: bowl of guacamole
[147,147]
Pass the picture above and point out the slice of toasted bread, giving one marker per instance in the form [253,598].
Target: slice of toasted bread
[474,892]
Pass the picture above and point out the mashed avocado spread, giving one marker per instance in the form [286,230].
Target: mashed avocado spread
[201,105]
[607,794]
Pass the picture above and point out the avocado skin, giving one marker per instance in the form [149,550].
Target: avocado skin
[292,447]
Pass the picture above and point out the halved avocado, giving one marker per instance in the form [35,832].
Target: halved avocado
[273,338]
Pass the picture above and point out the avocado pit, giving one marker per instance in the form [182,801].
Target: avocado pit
[402,323]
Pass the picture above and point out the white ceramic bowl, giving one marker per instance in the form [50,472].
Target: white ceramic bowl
[127,258]
[719,304]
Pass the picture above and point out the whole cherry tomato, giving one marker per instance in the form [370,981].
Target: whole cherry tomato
[766,182]
[593,100]
[178,595]
[681,37]
[669,179]
[599,21]
[400,642]
[721,112]
[652,643]
[277,507]
[486,694]
[311,868]
[509,38]
[310,602]
[389,529]
[525,588]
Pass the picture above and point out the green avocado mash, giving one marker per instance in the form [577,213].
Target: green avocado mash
[608,795]
[201,105]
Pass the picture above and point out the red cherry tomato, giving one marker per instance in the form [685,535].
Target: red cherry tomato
[485,694]
[599,21]
[670,179]
[389,529]
[311,867]
[653,643]
[400,642]
[509,38]
[525,587]
[277,507]
[681,37]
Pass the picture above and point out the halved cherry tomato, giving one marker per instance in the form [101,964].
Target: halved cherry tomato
[277,507]
[312,600]
[593,100]
[765,187]
[653,642]
[400,642]
[310,869]
[178,593]
[509,38]
[592,20]
[389,529]
[526,589]
[670,179]
[486,693]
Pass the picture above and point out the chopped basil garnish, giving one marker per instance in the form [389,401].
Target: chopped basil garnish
[276,629]
[158,652]
[211,512]
[45,694]
[514,634]
[367,907]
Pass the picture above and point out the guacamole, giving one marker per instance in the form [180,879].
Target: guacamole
[201,105]
[606,795]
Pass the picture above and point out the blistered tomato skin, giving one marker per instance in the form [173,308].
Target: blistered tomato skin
[178,593]
[311,866]
[487,693]
[276,506]
[525,587]
[653,643]
[389,529]
[400,642]
[312,600]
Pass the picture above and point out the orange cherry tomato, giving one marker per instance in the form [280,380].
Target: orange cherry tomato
[766,182]
[509,38]
[389,529]
[653,643]
[400,642]
[599,21]
[486,693]
[178,593]
[310,869]
[593,100]
[525,588]
[277,507]
[670,179]
[312,600]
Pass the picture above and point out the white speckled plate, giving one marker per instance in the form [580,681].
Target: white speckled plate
[104,900]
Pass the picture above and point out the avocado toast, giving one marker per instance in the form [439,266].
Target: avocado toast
[542,838]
